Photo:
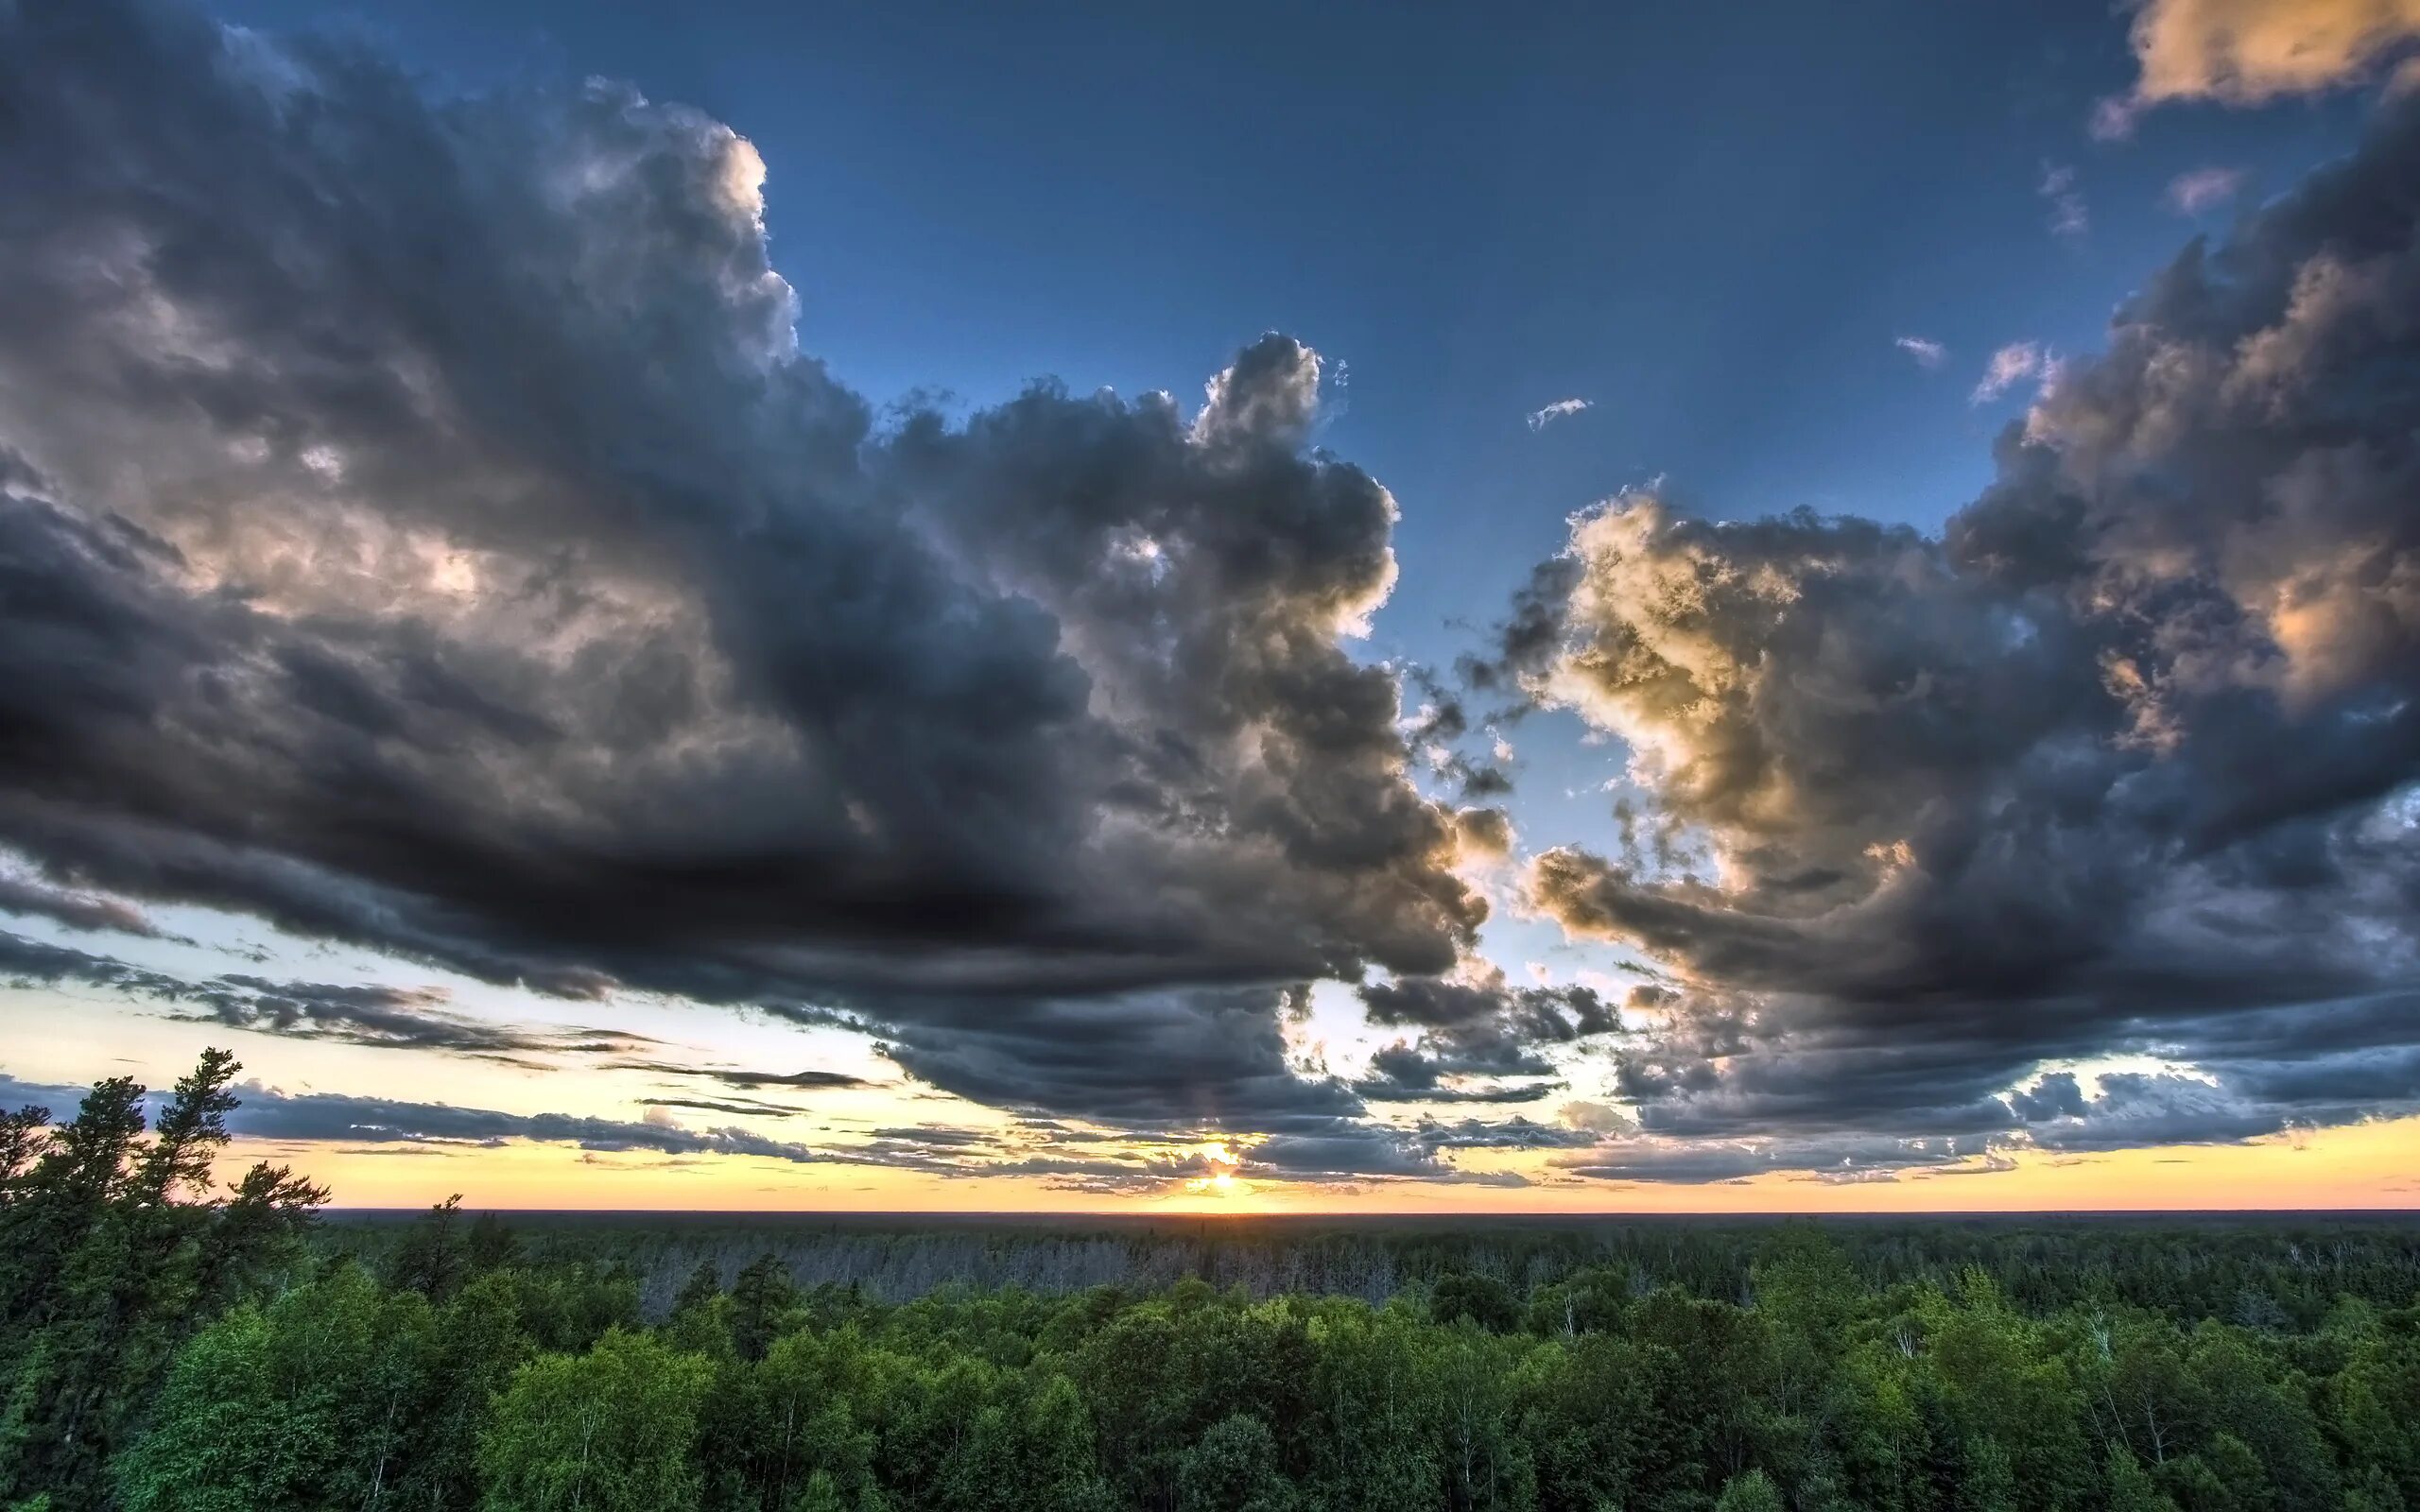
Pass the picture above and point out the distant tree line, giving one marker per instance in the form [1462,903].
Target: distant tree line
[169,1347]
[2274,1271]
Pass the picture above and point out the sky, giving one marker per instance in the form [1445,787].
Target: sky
[751,607]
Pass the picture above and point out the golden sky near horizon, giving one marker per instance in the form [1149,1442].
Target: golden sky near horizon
[58,1036]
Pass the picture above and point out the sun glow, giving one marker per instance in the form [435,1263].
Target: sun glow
[1221,1180]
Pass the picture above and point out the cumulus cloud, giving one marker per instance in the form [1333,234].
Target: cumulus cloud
[1402,1072]
[2124,761]
[1560,409]
[1474,1025]
[2248,52]
[1928,354]
[419,529]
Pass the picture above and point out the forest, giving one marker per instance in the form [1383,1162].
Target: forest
[169,1344]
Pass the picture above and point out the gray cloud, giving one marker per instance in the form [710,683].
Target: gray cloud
[30,962]
[74,908]
[374,1015]
[1692,1162]
[2126,760]
[420,530]
[2131,1108]
[1478,1027]
[265,1113]
[1402,1072]
[372,1124]
[743,1080]
[737,1110]
[1514,1133]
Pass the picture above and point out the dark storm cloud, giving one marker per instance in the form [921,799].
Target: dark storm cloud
[2124,761]
[1401,1072]
[1485,1001]
[391,1017]
[421,531]
[76,909]
[2132,1109]
[1177,1059]
[31,963]
[2056,1095]
[1474,1026]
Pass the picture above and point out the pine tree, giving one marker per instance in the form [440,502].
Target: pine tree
[760,1297]
[114,1251]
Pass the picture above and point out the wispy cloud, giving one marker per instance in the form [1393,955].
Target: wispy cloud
[2190,193]
[741,1109]
[1928,354]
[2069,218]
[1540,418]
[2112,119]
[374,1015]
[743,1080]
[2009,366]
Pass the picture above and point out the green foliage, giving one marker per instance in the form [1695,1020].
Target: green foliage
[613,1430]
[114,1248]
[760,1302]
[1749,1491]
[435,1258]
[470,1363]
[1482,1299]
[1233,1468]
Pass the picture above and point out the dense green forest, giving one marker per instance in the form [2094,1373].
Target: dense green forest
[165,1345]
